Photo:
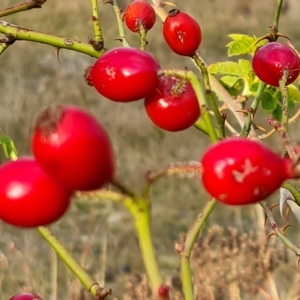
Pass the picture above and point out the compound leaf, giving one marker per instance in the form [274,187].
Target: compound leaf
[242,44]
[268,101]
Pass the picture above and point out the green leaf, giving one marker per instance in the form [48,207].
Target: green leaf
[277,113]
[229,81]
[225,68]
[232,84]
[242,68]
[9,148]
[245,66]
[294,94]
[242,44]
[291,104]
[268,101]
[254,87]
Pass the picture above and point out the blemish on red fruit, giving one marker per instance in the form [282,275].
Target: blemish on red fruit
[73,147]
[87,76]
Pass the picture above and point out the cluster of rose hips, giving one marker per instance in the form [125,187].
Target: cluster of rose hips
[126,74]
[72,152]
[235,171]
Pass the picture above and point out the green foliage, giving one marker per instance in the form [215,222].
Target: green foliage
[8,146]
[234,73]
[242,44]
[268,101]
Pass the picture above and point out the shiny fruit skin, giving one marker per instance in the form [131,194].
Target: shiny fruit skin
[173,105]
[139,13]
[182,33]
[272,59]
[29,197]
[238,171]
[73,147]
[26,296]
[125,74]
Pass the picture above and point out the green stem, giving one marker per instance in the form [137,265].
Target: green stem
[20,33]
[142,220]
[224,96]
[285,98]
[143,36]
[277,13]
[140,210]
[3,47]
[208,90]
[120,23]
[97,27]
[186,278]
[21,7]
[198,225]
[185,254]
[88,282]
[192,78]
[248,122]
[276,231]
[124,189]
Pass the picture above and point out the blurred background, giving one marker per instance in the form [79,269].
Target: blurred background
[232,259]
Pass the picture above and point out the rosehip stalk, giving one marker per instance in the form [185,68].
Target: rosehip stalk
[88,282]
[203,68]
[140,210]
[97,27]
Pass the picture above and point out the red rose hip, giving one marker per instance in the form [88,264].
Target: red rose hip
[182,33]
[30,197]
[239,171]
[73,147]
[26,296]
[139,13]
[173,105]
[272,60]
[125,74]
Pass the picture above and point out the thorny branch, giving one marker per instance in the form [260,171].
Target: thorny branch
[27,5]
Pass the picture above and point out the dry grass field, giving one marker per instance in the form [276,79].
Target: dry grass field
[232,260]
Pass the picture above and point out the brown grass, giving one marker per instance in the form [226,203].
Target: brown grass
[231,261]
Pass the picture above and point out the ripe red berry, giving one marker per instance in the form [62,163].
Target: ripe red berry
[239,171]
[182,33]
[125,74]
[271,60]
[139,13]
[71,145]
[163,291]
[29,197]
[173,105]
[26,296]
